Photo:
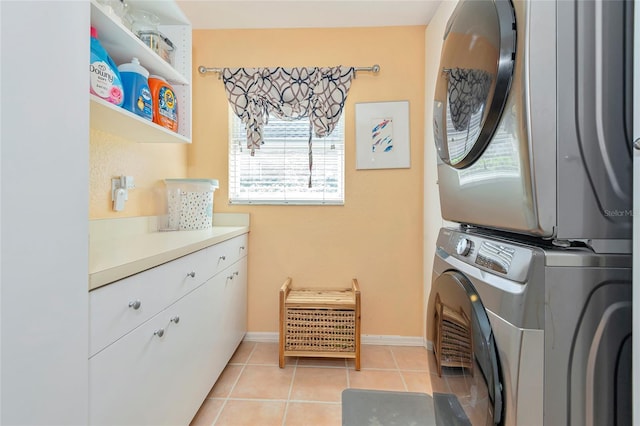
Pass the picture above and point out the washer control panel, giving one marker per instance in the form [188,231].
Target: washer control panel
[495,256]
[490,253]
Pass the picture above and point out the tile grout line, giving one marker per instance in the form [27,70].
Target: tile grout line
[305,401]
[404,383]
[226,399]
[286,405]
[348,381]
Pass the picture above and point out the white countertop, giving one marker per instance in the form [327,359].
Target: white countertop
[119,248]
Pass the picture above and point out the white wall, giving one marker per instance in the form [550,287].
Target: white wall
[432,217]
[44,165]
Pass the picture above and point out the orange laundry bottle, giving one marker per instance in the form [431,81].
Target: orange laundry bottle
[165,104]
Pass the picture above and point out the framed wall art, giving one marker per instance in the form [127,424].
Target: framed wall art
[382,135]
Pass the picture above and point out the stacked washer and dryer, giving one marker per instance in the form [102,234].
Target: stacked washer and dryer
[530,306]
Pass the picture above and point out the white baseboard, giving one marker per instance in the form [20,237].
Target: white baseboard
[386,340]
[365,339]
[261,336]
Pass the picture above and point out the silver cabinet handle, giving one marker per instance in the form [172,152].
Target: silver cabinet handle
[223,258]
[636,143]
[241,247]
[191,274]
[230,277]
[135,304]
[236,273]
[175,319]
[159,332]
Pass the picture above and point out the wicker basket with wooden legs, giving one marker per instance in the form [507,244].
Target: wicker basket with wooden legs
[453,346]
[320,323]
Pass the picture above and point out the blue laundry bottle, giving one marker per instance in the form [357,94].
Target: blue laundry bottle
[104,76]
[137,96]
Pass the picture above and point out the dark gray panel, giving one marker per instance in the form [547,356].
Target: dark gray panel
[588,315]
[594,131]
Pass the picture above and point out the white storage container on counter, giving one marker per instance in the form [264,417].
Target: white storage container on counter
[190,203]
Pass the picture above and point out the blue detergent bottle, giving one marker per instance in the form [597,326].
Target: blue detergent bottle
[105,80]
[137,96]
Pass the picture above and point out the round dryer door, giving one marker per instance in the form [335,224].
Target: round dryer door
[476,68]
[466,385]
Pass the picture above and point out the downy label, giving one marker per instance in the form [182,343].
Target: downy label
[102,79]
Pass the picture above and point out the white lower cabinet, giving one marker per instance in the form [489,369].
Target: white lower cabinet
[160,372]
[234,318]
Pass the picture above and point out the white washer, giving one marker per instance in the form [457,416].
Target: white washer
[551,332]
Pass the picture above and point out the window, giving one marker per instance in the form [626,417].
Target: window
[279,173]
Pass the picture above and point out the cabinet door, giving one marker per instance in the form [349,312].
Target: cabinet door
[158,374]
[235,306]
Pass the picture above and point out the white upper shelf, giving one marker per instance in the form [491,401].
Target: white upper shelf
[120,122]
[123,45]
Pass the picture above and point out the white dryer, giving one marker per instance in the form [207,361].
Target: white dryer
[528,334]
[532,119]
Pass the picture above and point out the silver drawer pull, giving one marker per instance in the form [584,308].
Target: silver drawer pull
[191,274]
[135,304]
[159,332]
[241,247]
[223,258]
[230,277]
[175,319]
[236,273]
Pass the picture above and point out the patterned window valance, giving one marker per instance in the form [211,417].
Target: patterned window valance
[468,90]
[288,93]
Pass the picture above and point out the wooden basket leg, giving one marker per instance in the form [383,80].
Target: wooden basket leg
[281,361]
[356,290]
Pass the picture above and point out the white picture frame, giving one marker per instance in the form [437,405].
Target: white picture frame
[382,135]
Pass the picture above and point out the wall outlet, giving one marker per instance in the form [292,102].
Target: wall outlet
[124,182]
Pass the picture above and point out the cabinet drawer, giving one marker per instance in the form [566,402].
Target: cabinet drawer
[119,307]
[226,253]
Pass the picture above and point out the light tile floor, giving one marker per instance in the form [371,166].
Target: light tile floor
[253,390]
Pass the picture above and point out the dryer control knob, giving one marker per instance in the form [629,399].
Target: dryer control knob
[464,246]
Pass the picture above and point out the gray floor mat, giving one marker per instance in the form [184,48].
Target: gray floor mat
[362,407]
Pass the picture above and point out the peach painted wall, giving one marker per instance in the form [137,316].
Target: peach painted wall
[377,236]
[148,163]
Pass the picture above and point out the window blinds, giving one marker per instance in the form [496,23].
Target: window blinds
[279,172]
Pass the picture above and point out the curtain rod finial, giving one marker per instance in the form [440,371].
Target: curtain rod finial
[375,68]
[202,70]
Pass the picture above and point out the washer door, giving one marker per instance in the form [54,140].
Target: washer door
[466,385]
[476,68]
